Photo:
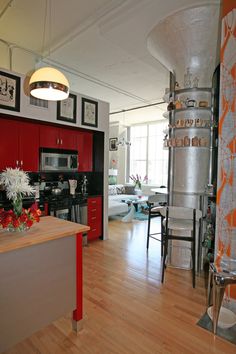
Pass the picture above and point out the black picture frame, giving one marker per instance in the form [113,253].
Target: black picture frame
[10,91]
[89,112]
[67,109]
[113,144]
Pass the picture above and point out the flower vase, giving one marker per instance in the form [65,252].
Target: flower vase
[21,228]
[17,206]
[138,191]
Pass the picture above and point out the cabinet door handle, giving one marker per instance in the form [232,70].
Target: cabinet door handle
[94,217]
[94,229]
[94,210]
[21,163]
[17,162]
[61,141]
[58,141]
[93,202]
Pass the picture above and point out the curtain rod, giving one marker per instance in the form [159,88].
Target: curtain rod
[133,109]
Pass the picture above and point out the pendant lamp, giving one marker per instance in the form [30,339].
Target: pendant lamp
[49,84]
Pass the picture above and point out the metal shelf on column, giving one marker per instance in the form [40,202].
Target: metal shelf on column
[189,172]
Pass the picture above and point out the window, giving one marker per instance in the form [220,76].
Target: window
[147,156]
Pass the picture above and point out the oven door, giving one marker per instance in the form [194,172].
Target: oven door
[61,214]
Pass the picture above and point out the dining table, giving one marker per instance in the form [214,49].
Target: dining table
[160,190]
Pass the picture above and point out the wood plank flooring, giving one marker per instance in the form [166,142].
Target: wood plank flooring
[126,308]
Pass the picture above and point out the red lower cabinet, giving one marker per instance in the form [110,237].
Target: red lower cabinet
[94,217]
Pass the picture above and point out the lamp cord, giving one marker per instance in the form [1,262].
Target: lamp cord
[44,28]
[50,27]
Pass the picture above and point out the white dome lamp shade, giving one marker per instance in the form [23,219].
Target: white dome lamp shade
[49,84]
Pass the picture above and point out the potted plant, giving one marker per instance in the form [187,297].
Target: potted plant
[138,180]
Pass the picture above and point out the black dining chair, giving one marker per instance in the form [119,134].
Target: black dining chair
[155,203]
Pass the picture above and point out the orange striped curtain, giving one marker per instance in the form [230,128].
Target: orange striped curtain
[225,249]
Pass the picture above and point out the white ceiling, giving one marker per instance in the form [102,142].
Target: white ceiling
[101,45]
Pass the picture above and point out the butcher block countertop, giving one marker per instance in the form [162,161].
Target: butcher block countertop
[49,228]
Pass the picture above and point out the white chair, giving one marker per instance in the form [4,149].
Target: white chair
[155,203]
[180,223]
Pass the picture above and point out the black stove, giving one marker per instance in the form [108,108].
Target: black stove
[61,201]
[7,204]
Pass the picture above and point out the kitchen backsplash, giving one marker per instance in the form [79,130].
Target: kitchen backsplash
[94,185]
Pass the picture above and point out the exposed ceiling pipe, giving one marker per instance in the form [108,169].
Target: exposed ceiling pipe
[94,80]
[12,46]
[9,51]
[6,8]
[134,108]
[71,71]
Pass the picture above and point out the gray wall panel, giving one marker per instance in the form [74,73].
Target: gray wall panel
[37,286]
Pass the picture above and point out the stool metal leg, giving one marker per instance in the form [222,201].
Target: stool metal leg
[193,261]
[194,245]
[148,229]
[164,258]
[209,287]
[218,294]
[162,235]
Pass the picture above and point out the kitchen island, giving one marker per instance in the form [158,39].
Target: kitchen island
[40,277]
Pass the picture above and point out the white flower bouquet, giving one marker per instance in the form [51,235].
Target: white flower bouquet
[16,184]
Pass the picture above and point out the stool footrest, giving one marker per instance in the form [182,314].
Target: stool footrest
[155,238]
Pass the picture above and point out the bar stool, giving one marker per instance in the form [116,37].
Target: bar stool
[218,281]
[155,204]
[180,223]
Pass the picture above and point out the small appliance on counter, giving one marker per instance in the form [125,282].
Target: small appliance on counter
[84,187]
[73,185]
[37,190]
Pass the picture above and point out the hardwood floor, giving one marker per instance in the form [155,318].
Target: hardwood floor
[126,309]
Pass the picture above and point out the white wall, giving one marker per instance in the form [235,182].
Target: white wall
[113,155]
[118,130]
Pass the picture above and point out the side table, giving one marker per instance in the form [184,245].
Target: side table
[133,203]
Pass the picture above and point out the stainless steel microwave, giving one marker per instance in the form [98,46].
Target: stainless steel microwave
[58,160]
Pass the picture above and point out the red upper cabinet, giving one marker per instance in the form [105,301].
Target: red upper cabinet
[20,142]
[68,139]
[29,146]
[85,150]
[56,137]
[49,136]
[19,145]
[8,144]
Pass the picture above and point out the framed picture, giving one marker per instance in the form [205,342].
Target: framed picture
[9,91]
[113,144]
[66,109]
[89,112]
